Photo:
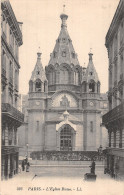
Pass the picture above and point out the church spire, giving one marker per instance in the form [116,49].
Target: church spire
[39,57]
[90,55]
[38,72]
[63,52]
[91,73]
[63,17]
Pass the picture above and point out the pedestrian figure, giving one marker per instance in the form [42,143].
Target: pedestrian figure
[23,165]
[26,160]
[93,167]
[27,167]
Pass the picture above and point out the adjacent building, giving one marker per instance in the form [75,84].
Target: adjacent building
[114,119]
[65,106]
[12,118]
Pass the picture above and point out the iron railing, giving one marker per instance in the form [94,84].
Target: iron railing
[114,114]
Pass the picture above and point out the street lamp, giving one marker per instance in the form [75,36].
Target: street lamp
[99,152]
[27,151]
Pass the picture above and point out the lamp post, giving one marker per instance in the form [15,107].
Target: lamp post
[100,152]
[27,151]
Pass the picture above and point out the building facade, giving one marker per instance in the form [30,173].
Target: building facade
[65,106]
[12,118]
[114,119]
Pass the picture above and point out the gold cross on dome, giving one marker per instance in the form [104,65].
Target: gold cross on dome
[90,50]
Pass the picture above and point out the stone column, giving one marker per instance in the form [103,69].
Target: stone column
[98,84]
[2,167]
[33,87]
[117,138]
[112,138]
[95,87]
[6,134]
[87,87]
[109,138]
[8,165]
[16,137]
[17,158]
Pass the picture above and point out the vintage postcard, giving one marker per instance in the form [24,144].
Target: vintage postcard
[62,97]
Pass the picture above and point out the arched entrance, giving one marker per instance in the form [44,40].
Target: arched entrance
[66,138]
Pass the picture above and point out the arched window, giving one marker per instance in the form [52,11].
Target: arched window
[66,138]
[92,86]
[64,76]
[63,53]
[38,85]
[76,77]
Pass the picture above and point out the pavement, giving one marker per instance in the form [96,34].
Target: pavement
[60,171]
[44,180]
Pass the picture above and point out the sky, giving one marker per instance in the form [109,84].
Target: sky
[87,24]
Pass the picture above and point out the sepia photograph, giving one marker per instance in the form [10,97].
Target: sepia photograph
[62,97]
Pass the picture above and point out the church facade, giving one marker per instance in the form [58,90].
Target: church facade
[65,105]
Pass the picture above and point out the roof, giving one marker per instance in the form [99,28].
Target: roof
[11,18]
[119,14]
[63,51]
[90,73]
[38,72]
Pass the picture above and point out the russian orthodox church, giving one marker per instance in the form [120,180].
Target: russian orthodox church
[65,105]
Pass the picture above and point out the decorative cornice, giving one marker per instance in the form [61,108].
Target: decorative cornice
[119,14]
[10,16]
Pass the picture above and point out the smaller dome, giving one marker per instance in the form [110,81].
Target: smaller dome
[90,73]
[38,72]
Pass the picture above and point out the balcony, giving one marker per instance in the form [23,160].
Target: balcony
[114,114]
[12,112]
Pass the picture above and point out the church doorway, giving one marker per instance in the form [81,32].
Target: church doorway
[66,138]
